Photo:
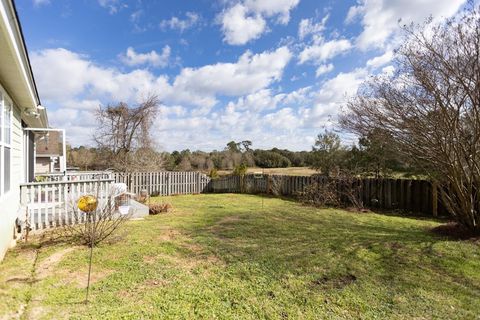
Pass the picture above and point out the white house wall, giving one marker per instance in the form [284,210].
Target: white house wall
[10,202]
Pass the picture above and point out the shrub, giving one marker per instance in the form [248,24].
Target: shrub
[320,194]
[343,191]
[270,159]
[213,173]
[96,226]
[157,208]
[240,170]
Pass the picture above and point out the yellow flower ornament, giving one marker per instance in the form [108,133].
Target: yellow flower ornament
[87,203]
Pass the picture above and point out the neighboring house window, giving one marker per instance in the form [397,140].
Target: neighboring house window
[5,142]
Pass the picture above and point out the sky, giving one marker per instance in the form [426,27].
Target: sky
[276,72]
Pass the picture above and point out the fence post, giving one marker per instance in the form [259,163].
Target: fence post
[269,184]
[169,184]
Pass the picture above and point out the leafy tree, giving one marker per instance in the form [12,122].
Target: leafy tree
[270,159]
[232,146]
[327,153]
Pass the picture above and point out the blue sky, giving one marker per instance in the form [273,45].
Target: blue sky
[273,72]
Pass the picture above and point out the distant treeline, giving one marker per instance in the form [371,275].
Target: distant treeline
[371,155]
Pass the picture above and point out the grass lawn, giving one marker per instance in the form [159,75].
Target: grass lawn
[224,257]
[290,171]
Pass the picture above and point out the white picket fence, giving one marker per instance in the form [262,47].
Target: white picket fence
[164,183]
[49,204]
[74,176]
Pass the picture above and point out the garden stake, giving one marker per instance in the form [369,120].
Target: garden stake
[88,204]
[90,266]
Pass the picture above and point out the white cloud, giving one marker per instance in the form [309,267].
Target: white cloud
[321,52]
[382,60]
[177,110]
[239,27]
[249,74]
[260,100]
[283,119]
[307,27]
[113,6]
[272,8]
[132,58]
[324,68]
[246,21]
[39,3]
[83,85]
[135,16]
[379,18]
[175,23]
[333,94]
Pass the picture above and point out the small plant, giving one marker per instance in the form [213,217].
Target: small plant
[240,170]
[157,208]
[213,173]
[99,223]
[40,179]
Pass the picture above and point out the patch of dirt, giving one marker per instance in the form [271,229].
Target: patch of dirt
[455,231]
[37,312]
[79,278]
[14,315]
[357,210]
[149,259]
[156,283]
[139,289]
[229,219]
[169,235]
[45,268]
[226,223]
[339,282]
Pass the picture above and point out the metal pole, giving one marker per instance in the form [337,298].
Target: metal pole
[263,176]
[90,260]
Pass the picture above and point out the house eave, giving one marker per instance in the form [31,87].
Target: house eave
[16,74]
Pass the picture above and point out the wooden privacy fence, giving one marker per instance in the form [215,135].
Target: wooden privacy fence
[418,196]
[164,183]
[49,204]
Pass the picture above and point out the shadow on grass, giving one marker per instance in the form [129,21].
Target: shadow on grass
[329,246]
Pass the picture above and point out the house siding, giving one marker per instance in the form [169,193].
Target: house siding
[10,202]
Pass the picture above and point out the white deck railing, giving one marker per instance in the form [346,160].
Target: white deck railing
[49,204]
[74,176]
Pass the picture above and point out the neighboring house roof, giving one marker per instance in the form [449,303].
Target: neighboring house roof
[16,74]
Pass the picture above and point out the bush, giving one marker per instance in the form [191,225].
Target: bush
[213,173]
[157,208]
[99,224]
[320,194]
[343,191]
[240,170]
[270,159]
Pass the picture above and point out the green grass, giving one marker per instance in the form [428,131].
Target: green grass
[224,257]
[289,171]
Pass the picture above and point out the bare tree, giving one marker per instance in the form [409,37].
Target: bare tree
[431,108]
[124,132]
